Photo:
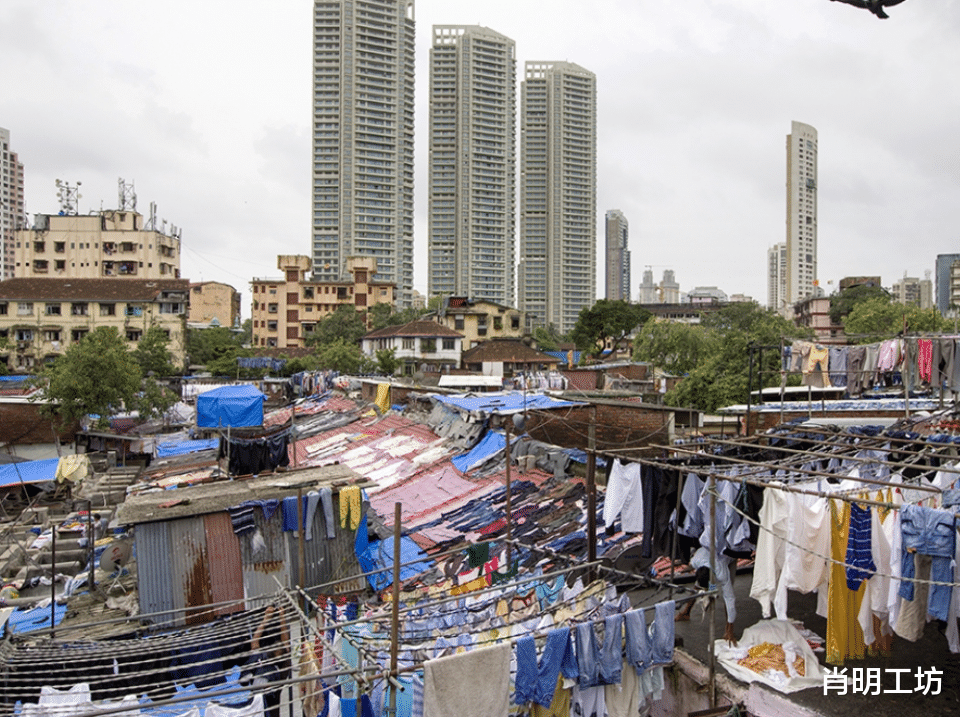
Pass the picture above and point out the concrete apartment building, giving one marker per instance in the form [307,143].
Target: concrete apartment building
[777,277]
[40,318]
[617,256]
[801,262]
[112,243]
[947,297]
[913,290]
[363,115]
[558,193]
[472,184]
[213,303]
[285,311]
[11,203]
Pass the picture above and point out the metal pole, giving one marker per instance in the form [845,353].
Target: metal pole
[713,581]
[746,423]
[395,614]
[53,582]
[592,489]
[93,541]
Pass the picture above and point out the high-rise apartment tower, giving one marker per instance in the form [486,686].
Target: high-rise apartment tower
[558,193]
[618,256]
[777,277]
[11,203]
[473,107]
[362,170]
[801,275]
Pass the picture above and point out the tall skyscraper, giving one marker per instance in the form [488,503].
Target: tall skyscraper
[942,278]
[618,256]
[558,193]
[777,277]
[473,106]
[363,75]
[11,203]
[801,278]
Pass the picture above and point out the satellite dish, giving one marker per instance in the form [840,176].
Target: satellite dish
[115,556]
[519,421]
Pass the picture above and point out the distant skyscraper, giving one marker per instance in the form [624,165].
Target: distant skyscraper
[777,277]
[618,256]
[472,186]
[801,278]
[944,262]
[558,193]
[363,74]
[649,291]
[11,203]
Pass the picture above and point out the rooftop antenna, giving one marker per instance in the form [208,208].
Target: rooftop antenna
[152,221]
[69,197]
[126,196]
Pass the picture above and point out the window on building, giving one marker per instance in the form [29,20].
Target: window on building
[271,326]
[458,323]
[78,334]
[40,266]
[25,308]
[449,344]
[60,247]
[39,247]
[24,335]
[52,310]
[428,346]
[408,344]
[497,323]
[51,335]
[60,265]
[3,309]
[78,309]
[272,308]
[134,334]
[108,309]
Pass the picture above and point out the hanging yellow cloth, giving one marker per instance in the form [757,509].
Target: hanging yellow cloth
[559,707]
[350,507]
[383,397]
[844,635]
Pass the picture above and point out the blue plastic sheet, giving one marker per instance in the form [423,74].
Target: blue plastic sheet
[236,406]
[28,472]
[179,448]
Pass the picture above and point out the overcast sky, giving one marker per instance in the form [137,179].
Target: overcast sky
[205,105]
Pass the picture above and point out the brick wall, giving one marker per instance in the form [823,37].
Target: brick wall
[618,426]
[23,423]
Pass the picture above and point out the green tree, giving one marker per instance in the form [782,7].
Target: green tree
[387,362]
[607,320]
[843,302]
[206,345]
[152,354]
[99,375]
[877,319]
[345,324]
[343,356]
[714,355]
[383,315]
[676,347]
[547,338]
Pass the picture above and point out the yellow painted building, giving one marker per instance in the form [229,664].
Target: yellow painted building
[111,243]
[41,318]
[285,311]
[213,303]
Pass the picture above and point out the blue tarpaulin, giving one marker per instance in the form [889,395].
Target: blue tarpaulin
[236,406]
[489,445]
[179,448]
[28,472]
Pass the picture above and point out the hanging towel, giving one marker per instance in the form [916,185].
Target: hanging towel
[450,684]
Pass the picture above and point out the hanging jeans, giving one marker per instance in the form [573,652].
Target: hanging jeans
[537,684]
[932,532]
[611,654]
[639,652]
[662,633]
[588,657]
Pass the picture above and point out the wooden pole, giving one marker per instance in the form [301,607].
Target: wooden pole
[395,613]
[592,489]
[301,540]
[506,450]
[53,582]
